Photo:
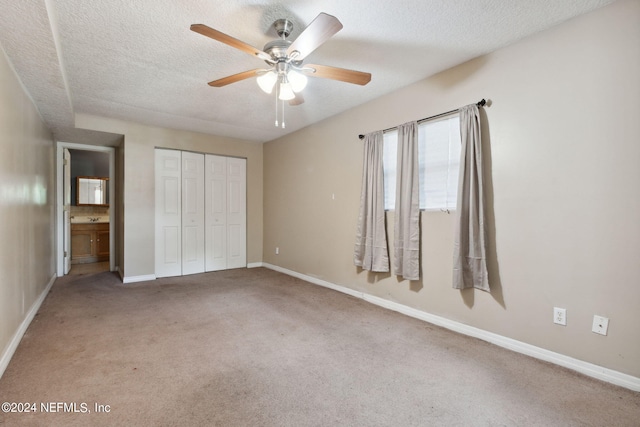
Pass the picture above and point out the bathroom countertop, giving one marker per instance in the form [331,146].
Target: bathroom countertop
[81,219]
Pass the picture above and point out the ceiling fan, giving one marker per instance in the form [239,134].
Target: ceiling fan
[285,58]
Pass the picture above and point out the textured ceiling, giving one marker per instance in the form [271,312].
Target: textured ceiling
[138,60]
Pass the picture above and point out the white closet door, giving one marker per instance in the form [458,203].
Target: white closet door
[192,213]
[236,212]
[216,212]
[168,244]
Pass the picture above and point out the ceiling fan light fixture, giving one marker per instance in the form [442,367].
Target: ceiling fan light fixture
[286,92]
[298,80]
[285,60]
[267,81]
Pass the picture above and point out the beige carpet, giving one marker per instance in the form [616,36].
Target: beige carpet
[258,348]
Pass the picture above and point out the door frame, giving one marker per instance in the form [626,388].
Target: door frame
[60,146]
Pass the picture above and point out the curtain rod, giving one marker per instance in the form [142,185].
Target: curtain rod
[480,103]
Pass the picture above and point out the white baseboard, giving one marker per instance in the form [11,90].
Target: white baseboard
[586,368]
[315,280]
[133,279]
[255,265]
[17,337]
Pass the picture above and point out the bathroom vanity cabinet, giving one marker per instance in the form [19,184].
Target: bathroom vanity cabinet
[89,242]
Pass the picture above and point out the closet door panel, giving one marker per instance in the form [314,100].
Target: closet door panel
[237,213]
[190,251]
[192,213]
[218,246]
[168,244]
[235,238]
[172,244]
[216,212]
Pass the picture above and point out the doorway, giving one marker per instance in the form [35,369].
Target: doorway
[89,228]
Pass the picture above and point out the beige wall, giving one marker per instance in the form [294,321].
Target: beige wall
[26,205]
[138,214]
[563,157]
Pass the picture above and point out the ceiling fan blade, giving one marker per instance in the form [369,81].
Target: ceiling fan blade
[235,78]
[316,33]
[299,99]
[231,41]
[342,74]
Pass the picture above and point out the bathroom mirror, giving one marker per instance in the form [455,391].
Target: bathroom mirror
[92,190]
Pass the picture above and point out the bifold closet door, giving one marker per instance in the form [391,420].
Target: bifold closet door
[225,212]
[200,212]
[236,212]
[216,212]
[193,251]
[168,229]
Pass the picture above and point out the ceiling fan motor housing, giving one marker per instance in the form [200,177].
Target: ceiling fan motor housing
[277,49]
[283,27]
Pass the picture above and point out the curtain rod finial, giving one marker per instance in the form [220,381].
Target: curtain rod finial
[361,136]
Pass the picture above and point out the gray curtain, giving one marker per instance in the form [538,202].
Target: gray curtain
[371,251]
[406,260]
[469,253]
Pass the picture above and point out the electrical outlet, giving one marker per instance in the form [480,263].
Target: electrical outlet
[277,251]
[600,325]
[560,316]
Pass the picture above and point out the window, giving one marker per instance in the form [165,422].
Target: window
[438,160]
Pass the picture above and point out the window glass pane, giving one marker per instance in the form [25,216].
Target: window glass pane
[389,163]
[439,151]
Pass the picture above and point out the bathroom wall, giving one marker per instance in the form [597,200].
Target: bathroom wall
[87,163]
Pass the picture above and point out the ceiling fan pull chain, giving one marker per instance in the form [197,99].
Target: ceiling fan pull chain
[283,114]
[276,92]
